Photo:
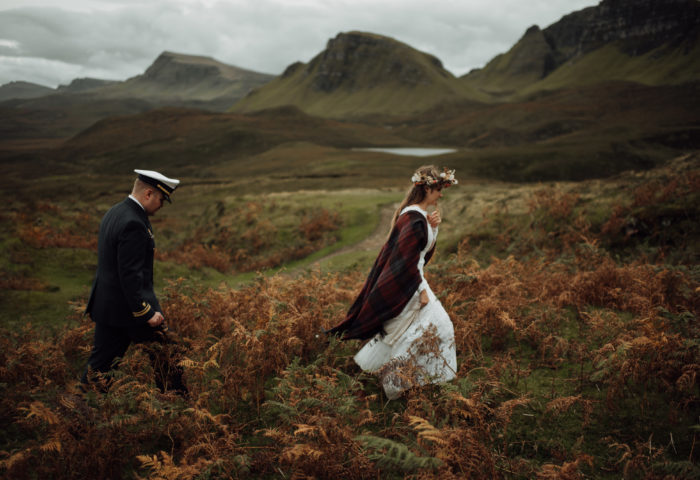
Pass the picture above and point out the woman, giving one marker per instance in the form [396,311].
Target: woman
[412,337]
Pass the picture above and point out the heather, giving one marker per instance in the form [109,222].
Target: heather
[575,311]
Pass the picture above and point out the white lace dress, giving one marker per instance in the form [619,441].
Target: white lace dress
[419,345]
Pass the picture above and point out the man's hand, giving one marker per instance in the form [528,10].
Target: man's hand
[423,298]
[156,320]
[434,219]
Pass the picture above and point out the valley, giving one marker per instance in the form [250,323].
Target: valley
[567,259]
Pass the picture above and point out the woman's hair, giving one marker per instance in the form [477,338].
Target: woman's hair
[416,193]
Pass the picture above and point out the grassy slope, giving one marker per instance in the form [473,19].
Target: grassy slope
[371,91]
[173,138]
[666,65]
[571,133]
[509,72]
[574,133]
[663,66]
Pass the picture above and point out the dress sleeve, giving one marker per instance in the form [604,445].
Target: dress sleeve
[429,253]
[424,283]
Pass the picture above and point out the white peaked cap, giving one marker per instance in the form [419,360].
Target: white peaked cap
[159,181]
[170,182]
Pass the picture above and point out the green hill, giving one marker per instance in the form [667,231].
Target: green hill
[176,79]
[283,144]
[666,65]
[361,74]
[647,42]
[23,90]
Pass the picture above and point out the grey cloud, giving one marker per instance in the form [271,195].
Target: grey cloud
[117,39]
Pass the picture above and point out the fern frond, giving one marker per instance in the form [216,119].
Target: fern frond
[391,454]
[14,459]
[303,429]
[187,363]
[426,430]
[149,462]
[301,450]
[52,445]
[42,412]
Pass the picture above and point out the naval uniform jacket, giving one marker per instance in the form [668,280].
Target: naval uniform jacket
[122,294]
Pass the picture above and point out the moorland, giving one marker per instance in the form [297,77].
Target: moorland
[567,260]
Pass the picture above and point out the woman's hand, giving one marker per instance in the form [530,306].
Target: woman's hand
[423,298]
[434,219]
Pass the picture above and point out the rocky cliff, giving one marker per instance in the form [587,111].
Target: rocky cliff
[638,25]
[80,85]
[361,74]
[356,60]
[189,80]
[616,40]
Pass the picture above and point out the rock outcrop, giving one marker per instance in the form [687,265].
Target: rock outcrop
[356,60]
[633,27]
[360,74]
[189,80]
[639,26]
[80,85]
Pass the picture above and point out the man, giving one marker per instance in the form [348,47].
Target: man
[122,302]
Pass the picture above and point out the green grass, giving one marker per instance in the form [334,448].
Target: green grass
[666,65]
[64,275]
[663,66]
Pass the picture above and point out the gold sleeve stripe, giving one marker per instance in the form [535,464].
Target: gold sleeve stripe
[142,312]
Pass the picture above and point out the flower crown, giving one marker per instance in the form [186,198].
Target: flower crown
[446,179]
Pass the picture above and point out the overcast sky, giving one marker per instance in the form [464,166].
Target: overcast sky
[52,42]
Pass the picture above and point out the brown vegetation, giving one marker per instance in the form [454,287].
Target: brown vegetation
[572,364]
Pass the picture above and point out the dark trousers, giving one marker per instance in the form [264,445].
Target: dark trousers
[112,342]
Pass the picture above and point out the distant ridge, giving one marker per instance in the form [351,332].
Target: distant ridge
[188,80]
[80,85]
[23,90]
[653,42]
[173,79]
[360,74]
[363,75]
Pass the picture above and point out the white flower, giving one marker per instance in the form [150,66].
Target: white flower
[442,175]
[415,178]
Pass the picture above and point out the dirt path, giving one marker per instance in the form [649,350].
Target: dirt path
[373,242]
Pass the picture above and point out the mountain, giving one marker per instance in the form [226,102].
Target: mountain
[23,90]
[360,74]
[653,42]
[80,85]
[186,80]
[173,79]
[31,111]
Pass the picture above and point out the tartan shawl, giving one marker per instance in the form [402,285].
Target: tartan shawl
[392,282]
